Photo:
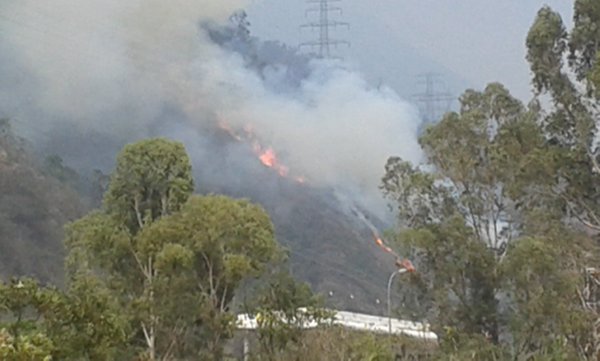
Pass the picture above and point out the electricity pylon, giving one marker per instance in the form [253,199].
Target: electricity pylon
[324,24]
[432,102]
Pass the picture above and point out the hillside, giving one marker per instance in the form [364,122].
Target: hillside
[34,206]
[329,248]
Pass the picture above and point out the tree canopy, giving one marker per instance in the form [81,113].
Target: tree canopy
[502,217]
[172,261]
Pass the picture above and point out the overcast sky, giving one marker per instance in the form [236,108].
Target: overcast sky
[472,42]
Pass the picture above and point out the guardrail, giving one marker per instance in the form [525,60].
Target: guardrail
[357,321]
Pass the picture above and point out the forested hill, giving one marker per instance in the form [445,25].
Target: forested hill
[34,206]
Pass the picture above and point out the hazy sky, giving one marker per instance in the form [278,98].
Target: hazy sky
[472,42]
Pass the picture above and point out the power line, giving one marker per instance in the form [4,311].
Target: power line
[324,24]
[433,103]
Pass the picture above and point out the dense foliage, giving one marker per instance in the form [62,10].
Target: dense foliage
[503,217]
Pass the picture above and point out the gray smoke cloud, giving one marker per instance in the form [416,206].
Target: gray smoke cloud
[121,70]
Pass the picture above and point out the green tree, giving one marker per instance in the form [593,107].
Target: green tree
[43,323]
[30,347]
[87,323]
[565,69]
[464,212]
[21,336]
[282,307]
[172,262]
[490,245]
[153,178]
[203,253]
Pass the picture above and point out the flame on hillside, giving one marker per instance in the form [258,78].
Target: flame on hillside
[266,155]
[382,245]
[268,158]
[401,263]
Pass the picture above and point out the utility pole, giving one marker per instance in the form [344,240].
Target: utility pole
[432,102]
[324,23]
[403,267]
[389,296]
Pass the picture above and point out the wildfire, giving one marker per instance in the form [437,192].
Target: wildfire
[400,263]
[380,243]
[266,155]
[268,158]
[224,126]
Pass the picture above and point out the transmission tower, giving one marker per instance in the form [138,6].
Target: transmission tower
[324,10]
[433,102]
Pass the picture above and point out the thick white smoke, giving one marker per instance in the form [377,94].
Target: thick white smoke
[112,66]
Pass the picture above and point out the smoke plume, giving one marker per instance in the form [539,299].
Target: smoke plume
[81,75]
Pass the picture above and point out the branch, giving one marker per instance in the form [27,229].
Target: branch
[579,218]
[177,330]
[138,215]
[139,263]
[525,344]
[149,340]
[163,201]
[210,277]
[595,164]
[223,297]
[202,289]
[591,213]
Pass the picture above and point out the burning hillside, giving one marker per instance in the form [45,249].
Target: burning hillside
[265,154]
[296,128]
[328,237]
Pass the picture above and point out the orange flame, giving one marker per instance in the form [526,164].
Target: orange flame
[400,263]
[406,264]
[269,159]
[266,156]
[383,246]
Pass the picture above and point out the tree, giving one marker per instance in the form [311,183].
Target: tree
[153,178]
[21,337]
[497,215]
[203,253]
[282,307]
[87,323]
[43,323]
[565,68]
[172,262]
[483,231]
[465,211]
